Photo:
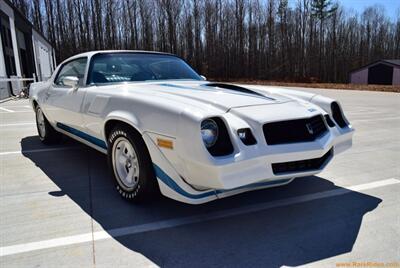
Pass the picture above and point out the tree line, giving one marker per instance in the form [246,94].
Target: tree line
[303,40]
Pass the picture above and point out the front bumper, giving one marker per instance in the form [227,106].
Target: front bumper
[256,164]
[196,182]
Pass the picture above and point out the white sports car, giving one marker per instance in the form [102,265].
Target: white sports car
[165,128]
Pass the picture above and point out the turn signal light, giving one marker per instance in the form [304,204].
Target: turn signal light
[246,136]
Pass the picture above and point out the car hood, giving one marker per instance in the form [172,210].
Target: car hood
[220,95]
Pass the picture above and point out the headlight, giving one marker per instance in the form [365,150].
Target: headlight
[209,132]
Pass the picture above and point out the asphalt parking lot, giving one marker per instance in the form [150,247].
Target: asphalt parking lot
[58,207]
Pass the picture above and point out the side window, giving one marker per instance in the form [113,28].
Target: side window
[73,68]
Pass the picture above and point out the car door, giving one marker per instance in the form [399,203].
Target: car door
[64,103]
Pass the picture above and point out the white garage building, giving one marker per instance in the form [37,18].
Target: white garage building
[25,53]
[381,72]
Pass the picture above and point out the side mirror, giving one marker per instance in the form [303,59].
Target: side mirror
[71,81]
[204,78]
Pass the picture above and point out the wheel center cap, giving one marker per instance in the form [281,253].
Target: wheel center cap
[128,164]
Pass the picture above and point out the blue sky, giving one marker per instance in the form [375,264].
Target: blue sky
[392,7]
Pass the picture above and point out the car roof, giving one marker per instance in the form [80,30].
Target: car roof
[89,54]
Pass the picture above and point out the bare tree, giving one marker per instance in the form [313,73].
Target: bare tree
[299,40]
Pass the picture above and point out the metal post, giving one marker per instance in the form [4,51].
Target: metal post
[15,46]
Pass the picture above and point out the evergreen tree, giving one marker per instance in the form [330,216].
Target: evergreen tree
[321,10]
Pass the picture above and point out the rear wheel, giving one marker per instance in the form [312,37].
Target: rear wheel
[131,165]
[47,134]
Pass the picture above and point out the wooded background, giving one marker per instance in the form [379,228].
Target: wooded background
[308,40]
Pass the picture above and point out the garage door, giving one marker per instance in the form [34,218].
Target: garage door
[380,74]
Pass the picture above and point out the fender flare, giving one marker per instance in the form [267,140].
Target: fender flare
[123,116]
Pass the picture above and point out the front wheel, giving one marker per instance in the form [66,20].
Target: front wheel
[131,165]
[47,134]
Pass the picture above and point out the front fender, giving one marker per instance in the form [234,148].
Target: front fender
[327,104]
[123,116]
[323,102]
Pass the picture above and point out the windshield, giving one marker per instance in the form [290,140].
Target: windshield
[124,67]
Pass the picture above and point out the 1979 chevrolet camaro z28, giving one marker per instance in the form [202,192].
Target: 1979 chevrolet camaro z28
[165,128]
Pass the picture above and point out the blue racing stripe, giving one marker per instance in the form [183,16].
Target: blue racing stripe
[174,186]
[83,135]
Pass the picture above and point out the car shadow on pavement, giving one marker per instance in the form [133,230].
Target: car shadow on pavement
[289,235]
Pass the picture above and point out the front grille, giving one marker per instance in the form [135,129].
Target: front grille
[299,130]
[301,165]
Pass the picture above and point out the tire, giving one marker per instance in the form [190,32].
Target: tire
[47,134]
[131,165]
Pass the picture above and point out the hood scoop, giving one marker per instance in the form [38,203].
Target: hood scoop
[209,94]
[237,89]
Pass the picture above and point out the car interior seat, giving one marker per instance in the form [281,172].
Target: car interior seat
[98,77]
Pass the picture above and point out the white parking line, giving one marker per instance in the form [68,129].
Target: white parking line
[375,119]
[17,124]
[17,106]
[7,110]
[40,150]
[10,111]
[154,226]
